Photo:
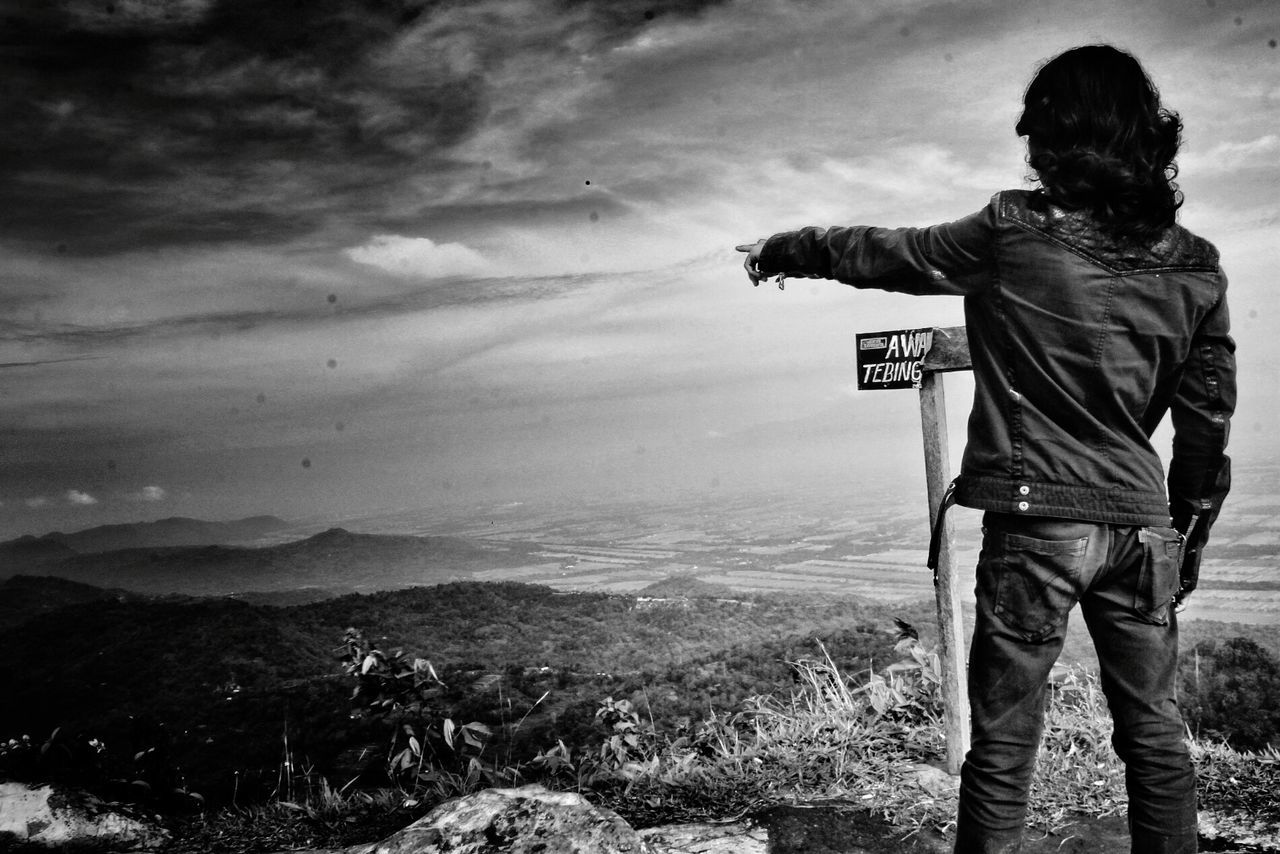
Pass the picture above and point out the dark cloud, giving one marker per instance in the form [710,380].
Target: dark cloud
[37,362]
[77,220]
[222,126]
[621,18]
[460,219]
[139,123]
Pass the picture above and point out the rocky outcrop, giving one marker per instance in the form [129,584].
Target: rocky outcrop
[527,820]
[736,837]
[50,817]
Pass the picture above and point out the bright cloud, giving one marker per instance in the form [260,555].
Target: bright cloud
[917,169]
[1230,156]
[421,257]
[80,499]
[151,493]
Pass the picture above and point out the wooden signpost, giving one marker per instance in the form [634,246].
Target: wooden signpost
[914,358]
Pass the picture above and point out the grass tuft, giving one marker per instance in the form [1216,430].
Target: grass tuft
[879,744]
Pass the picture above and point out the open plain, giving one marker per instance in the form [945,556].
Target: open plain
[870,546]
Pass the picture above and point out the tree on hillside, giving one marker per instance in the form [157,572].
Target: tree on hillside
[1231,690]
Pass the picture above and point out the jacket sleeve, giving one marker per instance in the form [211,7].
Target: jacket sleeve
[952,258]
[1200,470]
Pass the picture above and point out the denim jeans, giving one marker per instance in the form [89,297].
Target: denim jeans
[1031,572]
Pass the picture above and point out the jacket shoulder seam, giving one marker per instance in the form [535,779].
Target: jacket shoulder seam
[1033,229]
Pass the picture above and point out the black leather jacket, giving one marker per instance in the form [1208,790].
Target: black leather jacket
[1080,345]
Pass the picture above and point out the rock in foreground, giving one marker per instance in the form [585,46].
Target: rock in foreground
[49,817]
[527,820]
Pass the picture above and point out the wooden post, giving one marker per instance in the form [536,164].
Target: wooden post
[915,358]
[949,352]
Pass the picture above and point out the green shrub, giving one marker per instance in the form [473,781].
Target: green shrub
[428,754]
[1231,692]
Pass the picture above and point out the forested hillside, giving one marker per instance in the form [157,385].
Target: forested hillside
[226,687]
[228,679]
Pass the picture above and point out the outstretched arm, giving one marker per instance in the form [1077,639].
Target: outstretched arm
[951,258]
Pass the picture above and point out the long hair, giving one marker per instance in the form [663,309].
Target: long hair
[1100,141]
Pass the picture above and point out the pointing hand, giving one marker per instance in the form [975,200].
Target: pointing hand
[752,262]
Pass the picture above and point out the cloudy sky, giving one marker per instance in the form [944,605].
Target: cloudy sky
[326,258]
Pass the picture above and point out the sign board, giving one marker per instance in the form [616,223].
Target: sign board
[892,359]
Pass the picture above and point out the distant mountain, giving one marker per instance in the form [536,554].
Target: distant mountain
[175,531]
[27,553]
[24,597]
[336,558]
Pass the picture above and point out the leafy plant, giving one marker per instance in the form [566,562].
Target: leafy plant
[630,746]
[428,753]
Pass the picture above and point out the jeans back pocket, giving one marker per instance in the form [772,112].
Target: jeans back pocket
[1037,581]
[1158,579]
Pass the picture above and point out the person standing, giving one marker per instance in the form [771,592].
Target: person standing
[1091,315]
